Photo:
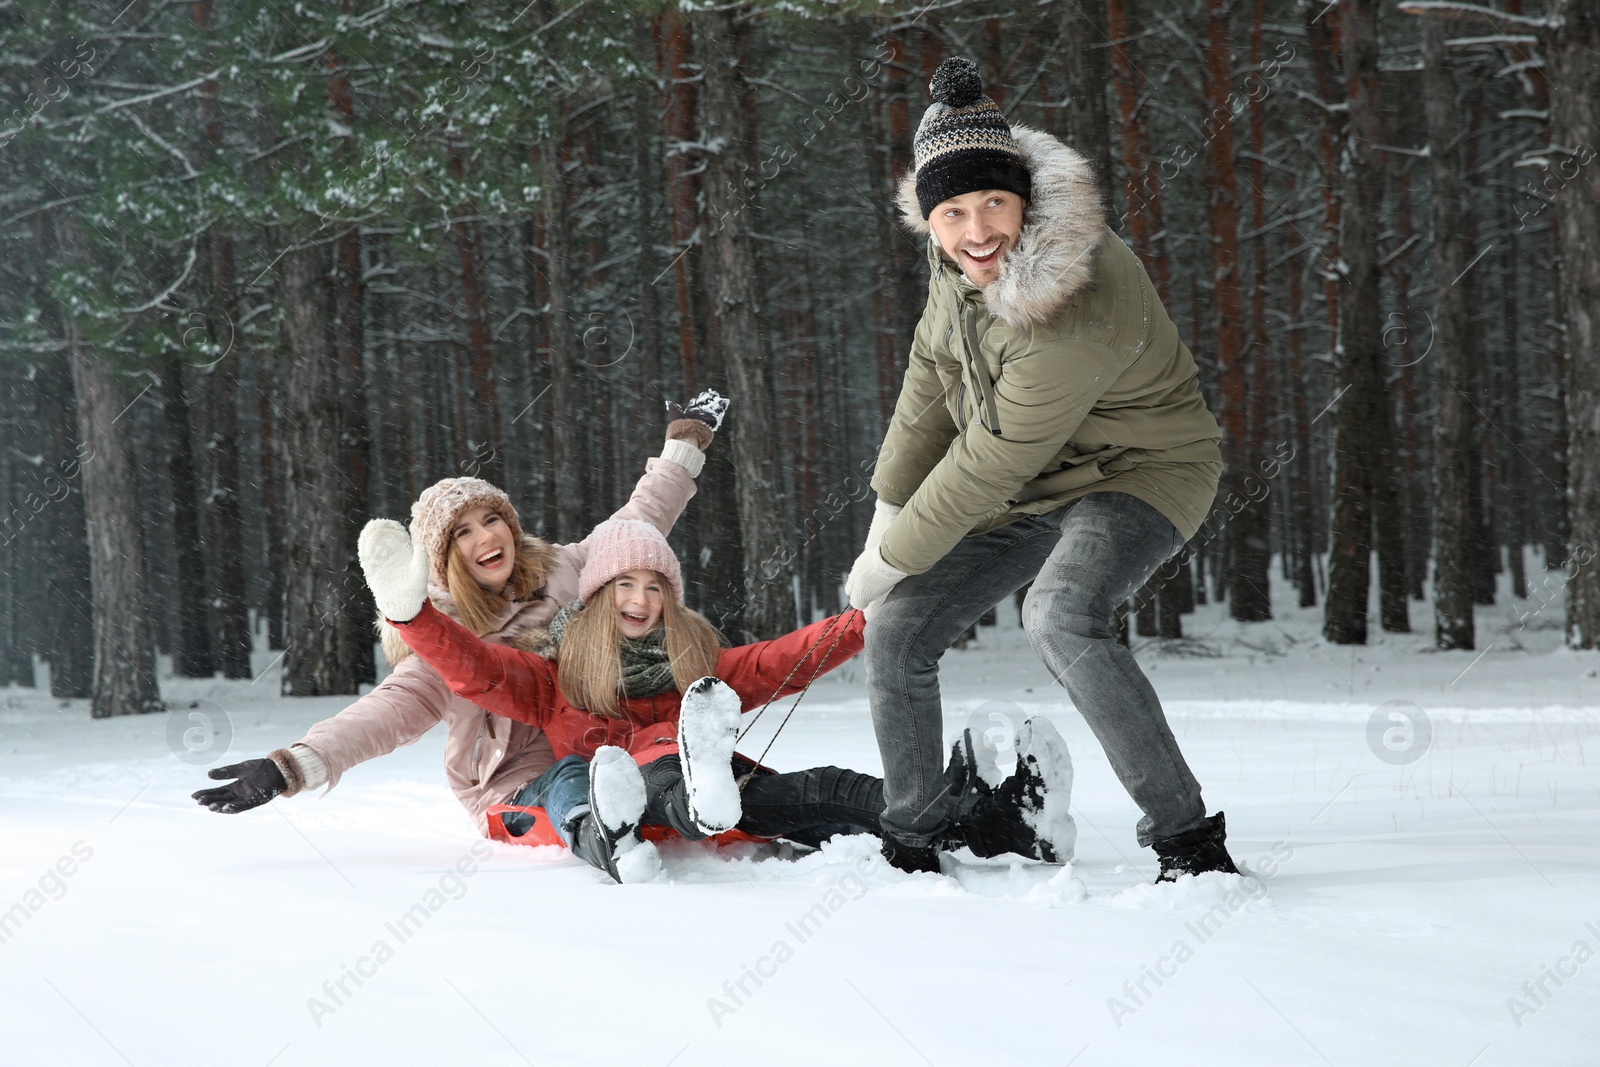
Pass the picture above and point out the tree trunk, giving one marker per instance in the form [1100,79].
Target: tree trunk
[1452,521]
[70,646]
[221,510]
[908,268]
[1414,510]
[191,630]
[646,333]
[877,146]
[1574,118]
[320,656]
[1364,487]
[1141,182]
[218,424]
[1083,31]
[1138,186]
[1516,526]
[1248,551]
[569,464]
[124,649]
[274,605]
[1144,610]
[1169,613]
[682,184]
[1262,387]
[354,443]
[529,422]
[1323,37]
[483,411]
[1475,381]
[710,530]
[733,272]
[1301,506]
[21,500]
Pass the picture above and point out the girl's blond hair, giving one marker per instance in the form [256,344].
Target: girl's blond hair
[591,652]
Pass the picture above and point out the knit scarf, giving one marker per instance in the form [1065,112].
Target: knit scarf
[646,668]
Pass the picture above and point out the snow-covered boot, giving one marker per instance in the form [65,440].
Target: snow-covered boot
[1026,813]
[608,836]
[989,816]
[1049,763]
[911,858]
[708,726]
[1198,851]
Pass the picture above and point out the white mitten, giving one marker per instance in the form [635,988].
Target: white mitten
[883,514]
[396,569]
[871,579]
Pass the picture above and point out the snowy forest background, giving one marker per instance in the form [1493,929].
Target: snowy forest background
[270,269]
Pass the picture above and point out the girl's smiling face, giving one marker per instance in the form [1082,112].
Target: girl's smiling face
[637,596]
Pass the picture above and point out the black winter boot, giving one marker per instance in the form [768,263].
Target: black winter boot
[989,820]
[911,858]
[1198,851]
[610,831]
[593,844]
[667,798]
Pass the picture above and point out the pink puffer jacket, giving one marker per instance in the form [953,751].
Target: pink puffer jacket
[486,758]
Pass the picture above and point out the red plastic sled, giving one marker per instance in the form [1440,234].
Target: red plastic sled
[544,833]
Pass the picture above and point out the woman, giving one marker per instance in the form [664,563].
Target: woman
[645,682]
[505,586]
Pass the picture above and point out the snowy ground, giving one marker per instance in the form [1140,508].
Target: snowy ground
[1440,905]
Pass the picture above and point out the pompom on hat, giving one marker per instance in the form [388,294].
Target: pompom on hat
[621,545]
[434,516]
[964,144]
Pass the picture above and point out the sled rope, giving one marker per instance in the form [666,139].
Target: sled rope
[842,623]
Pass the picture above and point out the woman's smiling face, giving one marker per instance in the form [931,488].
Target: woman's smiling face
[484,542]
[637,596]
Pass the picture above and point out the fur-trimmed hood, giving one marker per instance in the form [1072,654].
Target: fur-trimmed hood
[1061,226]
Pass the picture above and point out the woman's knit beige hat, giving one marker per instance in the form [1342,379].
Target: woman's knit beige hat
[434,516]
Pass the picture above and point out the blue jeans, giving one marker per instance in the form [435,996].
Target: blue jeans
[1084,559]
[563,793]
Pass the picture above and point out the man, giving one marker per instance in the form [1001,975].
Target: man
[1050,429]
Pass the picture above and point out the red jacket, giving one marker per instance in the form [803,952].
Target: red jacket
[522,685]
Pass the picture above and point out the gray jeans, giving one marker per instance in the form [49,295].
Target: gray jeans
[1084,559]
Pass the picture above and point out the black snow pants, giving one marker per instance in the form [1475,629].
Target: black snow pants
[807,806]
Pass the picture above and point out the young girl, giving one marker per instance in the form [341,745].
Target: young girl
[644,681]
[481,569]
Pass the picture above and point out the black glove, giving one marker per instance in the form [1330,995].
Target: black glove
[259,780]
[709,407]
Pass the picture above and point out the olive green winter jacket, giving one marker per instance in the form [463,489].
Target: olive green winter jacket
[1064,377]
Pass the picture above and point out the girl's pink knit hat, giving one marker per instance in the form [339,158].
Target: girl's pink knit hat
[621,545]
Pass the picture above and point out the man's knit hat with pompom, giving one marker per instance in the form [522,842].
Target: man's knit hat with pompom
[964,144]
